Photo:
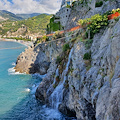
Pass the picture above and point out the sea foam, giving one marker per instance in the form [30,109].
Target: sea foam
[11,71]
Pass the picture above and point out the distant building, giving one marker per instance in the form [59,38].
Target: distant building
[67,2]
[64,11]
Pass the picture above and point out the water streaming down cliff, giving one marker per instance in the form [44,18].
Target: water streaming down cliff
[57,95]
[56,75]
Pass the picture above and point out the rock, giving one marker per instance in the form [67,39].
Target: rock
[63,109]
[37,59]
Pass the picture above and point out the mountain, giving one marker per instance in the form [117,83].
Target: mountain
[35,24]
[26,16]
[8,15]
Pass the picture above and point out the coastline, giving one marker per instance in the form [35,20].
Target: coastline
[25,43]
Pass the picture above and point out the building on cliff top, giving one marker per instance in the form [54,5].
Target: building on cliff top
[67,2]
[64,11]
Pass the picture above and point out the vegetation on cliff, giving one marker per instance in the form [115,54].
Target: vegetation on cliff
[94,24]
[54,26]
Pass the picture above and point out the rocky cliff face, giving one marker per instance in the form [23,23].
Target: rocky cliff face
[81,11]
[37,59]
[86,89]
[89,91]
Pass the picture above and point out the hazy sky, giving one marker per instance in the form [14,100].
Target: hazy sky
[30,6]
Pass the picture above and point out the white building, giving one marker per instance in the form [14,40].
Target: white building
[64,11]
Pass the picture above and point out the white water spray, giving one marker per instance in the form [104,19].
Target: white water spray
[57,95]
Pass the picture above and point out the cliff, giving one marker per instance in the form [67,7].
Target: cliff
[82,77]
[88,90]
[37,59]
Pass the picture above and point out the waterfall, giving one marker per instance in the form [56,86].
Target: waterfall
[51,86]
[57,95]
[56,74]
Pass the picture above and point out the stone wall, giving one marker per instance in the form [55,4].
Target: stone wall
[64,15]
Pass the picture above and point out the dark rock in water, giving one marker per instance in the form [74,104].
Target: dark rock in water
[63,109]
[41,90]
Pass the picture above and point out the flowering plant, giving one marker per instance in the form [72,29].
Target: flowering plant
[117,10]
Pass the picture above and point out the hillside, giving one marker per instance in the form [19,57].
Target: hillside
[8,15]
[34,25]
[26,16]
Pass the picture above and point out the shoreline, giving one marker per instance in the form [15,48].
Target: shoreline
[25,43]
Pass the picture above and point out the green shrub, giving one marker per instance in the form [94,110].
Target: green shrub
[53,26]
[44,39]
[99,4]
[117,19]
[57,35]
[88,67]
[66,47]
[54,86]
[68,6]
[88,43]
[81,1]
[58,60]
[107,13]
[94,24]
[87,56]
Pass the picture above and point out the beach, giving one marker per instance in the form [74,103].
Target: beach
[26,43]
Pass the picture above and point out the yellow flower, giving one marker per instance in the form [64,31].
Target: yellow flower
[113,10]
[118,9]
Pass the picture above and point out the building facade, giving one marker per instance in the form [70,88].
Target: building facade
[64,11]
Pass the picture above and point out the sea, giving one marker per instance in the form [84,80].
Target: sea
[17,91]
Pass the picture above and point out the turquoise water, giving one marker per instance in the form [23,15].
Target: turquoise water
[17,99]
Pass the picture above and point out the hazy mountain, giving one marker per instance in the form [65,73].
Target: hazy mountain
[5,15]
[8,15]
[25,16]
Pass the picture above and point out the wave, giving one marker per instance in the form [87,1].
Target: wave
[27,90]
[38,75]
[34,88]
[51,114]
[11,71]
[14,64]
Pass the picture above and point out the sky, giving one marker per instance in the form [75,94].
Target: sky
[30,6]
